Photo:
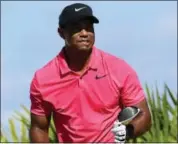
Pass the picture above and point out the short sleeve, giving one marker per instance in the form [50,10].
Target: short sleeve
[38,106]
[132,92]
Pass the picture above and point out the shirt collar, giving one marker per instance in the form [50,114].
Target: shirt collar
[63,66]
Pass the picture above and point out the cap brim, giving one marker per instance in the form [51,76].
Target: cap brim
[92,18]
[82,17]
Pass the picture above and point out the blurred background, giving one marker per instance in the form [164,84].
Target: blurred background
[144,33]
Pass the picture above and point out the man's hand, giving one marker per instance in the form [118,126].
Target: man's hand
[119,131]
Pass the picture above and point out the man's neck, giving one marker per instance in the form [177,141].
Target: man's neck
[77,60]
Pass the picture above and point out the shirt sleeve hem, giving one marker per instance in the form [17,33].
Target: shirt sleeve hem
[137,101]
[38,114]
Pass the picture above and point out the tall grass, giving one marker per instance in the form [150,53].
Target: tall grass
[164,118]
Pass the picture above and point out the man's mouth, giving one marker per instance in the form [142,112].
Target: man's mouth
[84,41]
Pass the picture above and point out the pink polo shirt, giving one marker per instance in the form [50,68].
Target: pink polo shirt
[85,106]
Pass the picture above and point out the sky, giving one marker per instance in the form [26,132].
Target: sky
[142,33]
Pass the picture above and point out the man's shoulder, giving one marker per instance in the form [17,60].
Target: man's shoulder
[116,63]
[112,59]
[47,70]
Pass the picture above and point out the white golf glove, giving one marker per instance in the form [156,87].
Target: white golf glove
[119,131]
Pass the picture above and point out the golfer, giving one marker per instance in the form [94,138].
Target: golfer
[84,88]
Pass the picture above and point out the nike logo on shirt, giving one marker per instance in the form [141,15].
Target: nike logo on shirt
[98,77]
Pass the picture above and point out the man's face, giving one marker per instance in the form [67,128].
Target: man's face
[79,35]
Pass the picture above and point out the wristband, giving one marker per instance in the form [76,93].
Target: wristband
[129,131]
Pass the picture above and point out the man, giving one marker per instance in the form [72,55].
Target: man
[84,88]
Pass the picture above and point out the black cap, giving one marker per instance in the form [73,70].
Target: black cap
[74,12]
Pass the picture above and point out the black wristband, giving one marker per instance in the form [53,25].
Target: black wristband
[129,131]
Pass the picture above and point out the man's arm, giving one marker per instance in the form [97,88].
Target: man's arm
[40,114]
[39,129]
[141,123]
[132,94]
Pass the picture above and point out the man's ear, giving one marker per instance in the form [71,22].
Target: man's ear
[61,32]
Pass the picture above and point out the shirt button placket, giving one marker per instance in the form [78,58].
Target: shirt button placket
[81,83]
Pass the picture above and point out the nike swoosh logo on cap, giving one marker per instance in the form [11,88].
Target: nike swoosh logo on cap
[78,9]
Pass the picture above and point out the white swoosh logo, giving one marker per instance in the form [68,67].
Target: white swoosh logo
[78,9]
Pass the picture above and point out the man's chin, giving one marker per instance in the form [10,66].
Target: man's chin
[84,48]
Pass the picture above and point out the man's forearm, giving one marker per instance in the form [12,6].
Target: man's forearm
[139,125]
[38,135]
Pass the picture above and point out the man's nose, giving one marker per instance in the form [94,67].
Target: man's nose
[83,33]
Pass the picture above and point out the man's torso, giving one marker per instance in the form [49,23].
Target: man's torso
[84,107]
